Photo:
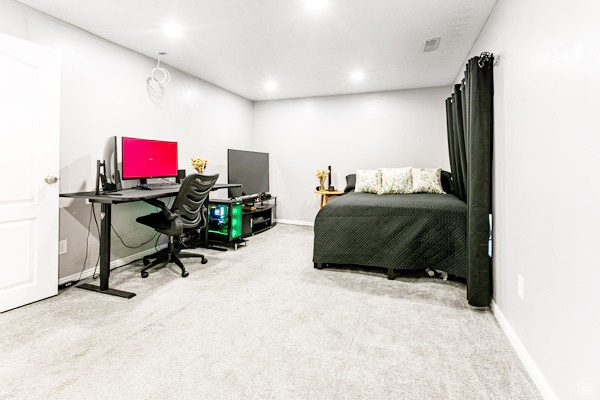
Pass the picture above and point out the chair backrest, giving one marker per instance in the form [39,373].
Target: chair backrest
[189,201]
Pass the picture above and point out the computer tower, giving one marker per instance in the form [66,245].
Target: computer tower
[224,220]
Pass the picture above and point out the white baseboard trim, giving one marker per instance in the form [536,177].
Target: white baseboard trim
[113,264]
[294,222]
[526,359]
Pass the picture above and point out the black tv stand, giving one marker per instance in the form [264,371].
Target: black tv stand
[259,218]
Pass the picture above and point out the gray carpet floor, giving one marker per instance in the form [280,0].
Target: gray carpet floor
[260,323]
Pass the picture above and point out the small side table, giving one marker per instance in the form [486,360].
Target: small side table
[326,195]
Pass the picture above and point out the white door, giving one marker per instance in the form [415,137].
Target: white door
[29,147]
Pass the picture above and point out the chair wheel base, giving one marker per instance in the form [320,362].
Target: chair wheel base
[167,256]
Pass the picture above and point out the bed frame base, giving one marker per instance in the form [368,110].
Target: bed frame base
[390,274]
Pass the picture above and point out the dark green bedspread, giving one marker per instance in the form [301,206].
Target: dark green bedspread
[400,231]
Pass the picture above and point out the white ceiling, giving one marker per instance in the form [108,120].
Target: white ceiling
[240,45]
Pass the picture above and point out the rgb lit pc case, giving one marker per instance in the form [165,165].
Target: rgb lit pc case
[224,220]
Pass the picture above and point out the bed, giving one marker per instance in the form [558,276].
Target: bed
[394,231]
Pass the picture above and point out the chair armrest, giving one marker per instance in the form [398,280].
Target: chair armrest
[169,215]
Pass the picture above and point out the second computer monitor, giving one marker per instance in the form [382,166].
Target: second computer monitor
[145,158]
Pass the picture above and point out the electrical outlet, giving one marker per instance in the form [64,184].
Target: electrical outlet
[62,247]
[520,286]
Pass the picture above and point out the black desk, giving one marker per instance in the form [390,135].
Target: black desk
[106,201]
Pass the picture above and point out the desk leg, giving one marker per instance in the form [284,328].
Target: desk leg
[105,224]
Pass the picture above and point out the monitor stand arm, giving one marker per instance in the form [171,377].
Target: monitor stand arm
[143,184]
[102,186]
[100,178]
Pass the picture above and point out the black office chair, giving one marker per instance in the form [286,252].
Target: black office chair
[188,211]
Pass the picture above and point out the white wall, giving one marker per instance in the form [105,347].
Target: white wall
[546,192]
[386,129]
[104,93]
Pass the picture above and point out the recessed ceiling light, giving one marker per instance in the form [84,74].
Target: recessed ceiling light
[173,30]
[316,4]
[271,85]
[357,76]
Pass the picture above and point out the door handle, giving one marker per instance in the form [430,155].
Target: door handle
[51,180]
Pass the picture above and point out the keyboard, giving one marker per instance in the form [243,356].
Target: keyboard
[160,186]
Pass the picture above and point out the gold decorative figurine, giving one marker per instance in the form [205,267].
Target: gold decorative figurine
[199,164]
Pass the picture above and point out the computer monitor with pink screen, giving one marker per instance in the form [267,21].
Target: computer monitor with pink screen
[144,159]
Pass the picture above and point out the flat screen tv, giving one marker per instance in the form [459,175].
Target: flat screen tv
[251,169]
[144,159]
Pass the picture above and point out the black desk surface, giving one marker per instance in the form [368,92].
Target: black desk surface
[107,200]
[135,194]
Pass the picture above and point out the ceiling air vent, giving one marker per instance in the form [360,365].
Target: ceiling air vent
[431,44]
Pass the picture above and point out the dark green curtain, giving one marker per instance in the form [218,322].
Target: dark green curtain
[456,142]
[469,118]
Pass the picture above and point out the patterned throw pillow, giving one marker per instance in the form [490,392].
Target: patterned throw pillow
[396,180]
[367,181]
[427,180]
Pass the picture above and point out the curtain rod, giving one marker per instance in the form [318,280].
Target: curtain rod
[486,56]
[483,58]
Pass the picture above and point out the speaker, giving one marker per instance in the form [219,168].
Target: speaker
[180,175]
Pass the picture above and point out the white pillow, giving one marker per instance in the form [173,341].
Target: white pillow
[396,180]
[427,180]
[368,181]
